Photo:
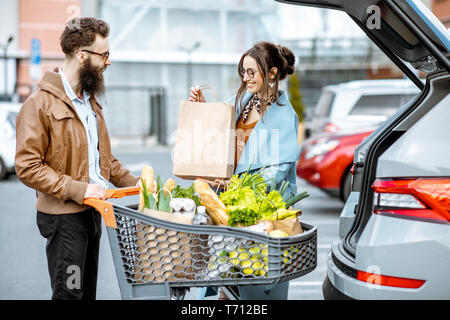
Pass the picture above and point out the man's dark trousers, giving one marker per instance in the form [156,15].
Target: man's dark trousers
[73,242]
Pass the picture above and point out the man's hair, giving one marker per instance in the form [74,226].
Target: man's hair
[81,32]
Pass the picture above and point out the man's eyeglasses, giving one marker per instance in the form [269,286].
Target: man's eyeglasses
[104,55]
[250,72]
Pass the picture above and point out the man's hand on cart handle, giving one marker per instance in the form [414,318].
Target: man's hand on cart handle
[95,196]
[95,191]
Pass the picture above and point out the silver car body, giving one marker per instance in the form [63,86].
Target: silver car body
[341,106]
[392,246]
[8,112]
[380,255]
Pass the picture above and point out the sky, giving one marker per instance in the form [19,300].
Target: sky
[307,22]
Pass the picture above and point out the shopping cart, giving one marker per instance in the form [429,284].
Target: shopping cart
[158,259]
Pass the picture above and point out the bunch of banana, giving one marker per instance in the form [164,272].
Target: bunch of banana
[278,233]
[289,254]
[283,213]
[250,262]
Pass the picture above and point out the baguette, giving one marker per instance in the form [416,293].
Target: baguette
[214,206]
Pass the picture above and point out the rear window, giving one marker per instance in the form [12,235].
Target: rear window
[380,105]
[324,104]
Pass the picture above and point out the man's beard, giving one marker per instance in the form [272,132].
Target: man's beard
[91,79]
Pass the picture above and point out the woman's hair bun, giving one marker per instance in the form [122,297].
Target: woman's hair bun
[288,61]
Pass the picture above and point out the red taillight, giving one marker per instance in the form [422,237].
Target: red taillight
[352,170]
[382,280]
[426,199]
[330,127]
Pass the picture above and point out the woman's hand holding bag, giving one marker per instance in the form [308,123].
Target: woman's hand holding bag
[196,95]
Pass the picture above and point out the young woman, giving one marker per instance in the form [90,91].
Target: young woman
[266,123]
[266,129]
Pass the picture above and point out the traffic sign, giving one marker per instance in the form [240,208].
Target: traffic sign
[35,59]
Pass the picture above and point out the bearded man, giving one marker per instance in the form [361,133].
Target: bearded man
[63,152]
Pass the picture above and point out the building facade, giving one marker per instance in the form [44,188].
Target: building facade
[441,8]
[167,46]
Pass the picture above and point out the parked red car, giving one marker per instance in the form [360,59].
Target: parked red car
[326,161]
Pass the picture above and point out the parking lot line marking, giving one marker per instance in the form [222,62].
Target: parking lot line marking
[306,283]
[321,222]
[135,167]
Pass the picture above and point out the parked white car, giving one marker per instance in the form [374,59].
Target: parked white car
[8,114]
[360,105]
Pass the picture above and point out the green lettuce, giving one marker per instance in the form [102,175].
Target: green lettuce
[189,193]
[242,198]
[242,216]
[271,203]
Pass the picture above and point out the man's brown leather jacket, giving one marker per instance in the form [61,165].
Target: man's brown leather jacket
[52,151]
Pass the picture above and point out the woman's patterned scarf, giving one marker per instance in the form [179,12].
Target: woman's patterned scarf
[255,101]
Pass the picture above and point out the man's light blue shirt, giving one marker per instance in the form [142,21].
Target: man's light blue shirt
[89,120]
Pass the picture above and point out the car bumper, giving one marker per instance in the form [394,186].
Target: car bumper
[330,292]
[393,247]
[343,287]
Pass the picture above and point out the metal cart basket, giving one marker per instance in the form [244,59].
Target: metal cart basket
[158,259]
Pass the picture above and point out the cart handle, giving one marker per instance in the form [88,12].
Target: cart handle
[105,208]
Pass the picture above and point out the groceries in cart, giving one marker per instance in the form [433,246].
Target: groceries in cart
[156,196]
[248,203]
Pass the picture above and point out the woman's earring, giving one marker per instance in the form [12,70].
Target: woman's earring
[272,84]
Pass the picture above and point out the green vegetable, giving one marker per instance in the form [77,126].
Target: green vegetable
[255,181]
[149,200]
[243,198]
[179,192]
[247,200]
[164,200]
[271,203]
[292,200]
[145,194]
[243,216]
[284,185]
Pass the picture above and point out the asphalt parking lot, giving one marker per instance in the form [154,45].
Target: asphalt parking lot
[23,271]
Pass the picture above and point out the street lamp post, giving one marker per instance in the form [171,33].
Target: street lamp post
[5,96]
[189,51]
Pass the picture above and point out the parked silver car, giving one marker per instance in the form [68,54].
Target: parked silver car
[359,105]
[395,226]
[8,114]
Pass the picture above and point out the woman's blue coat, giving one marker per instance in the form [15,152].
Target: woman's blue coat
[273,143]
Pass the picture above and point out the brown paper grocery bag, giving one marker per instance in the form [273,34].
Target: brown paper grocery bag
[163,254]
[168,216]
[205,140]
[291,226]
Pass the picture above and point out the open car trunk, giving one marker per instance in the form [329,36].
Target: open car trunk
[412,37]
